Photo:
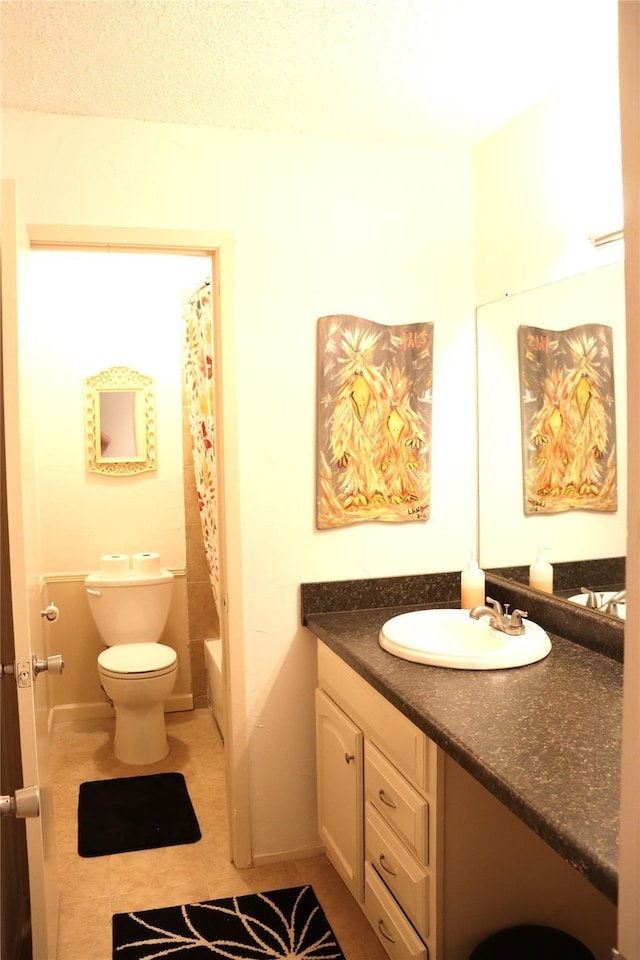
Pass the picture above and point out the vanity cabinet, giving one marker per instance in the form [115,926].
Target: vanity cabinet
[405,846]
[379,779]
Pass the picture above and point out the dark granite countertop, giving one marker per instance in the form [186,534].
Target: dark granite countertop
[544,739]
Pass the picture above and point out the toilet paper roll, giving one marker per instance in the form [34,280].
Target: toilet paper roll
[146,564]
[115,564]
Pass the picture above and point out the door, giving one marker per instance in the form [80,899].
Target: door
[24,571]
[14,882]
[339,749]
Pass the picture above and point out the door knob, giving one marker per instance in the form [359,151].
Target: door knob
[53,664]
[25,670]
[24,803]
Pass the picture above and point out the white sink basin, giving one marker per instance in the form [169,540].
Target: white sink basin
[451,638]
[603,597]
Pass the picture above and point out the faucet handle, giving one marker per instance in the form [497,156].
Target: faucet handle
[497,606]
[516,617]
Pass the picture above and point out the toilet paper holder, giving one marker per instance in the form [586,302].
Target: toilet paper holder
[50,613]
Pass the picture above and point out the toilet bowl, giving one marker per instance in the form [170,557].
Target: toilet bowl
[137,673]
[138,678]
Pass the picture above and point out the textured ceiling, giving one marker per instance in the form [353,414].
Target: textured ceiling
[435,71]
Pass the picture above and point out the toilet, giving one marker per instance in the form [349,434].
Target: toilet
[137,672]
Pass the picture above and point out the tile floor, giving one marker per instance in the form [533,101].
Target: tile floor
[92,889]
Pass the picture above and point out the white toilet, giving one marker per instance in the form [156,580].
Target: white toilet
[136,671]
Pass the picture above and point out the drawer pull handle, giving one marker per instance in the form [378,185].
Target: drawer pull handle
[387,803]
[385,867]
[348,757]
[386,935]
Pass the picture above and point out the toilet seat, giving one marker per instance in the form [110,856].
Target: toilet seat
[137,661]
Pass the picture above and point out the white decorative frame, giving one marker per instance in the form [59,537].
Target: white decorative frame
[121,379]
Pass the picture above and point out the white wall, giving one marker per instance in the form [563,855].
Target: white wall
[322,226]
[91,311]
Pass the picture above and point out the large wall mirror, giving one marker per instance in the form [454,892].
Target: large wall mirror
[120,422]
[508,537]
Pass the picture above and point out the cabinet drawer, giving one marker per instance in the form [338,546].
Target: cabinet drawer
[397,802]
[406,746]
[405,876]
[389,922]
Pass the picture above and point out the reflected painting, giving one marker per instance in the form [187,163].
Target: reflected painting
[568,419]
[374,421]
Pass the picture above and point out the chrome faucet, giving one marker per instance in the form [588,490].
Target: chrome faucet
[596,601]
[593,601]
[499,617]
[611,606]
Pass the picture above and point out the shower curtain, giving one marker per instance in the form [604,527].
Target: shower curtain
[199,370]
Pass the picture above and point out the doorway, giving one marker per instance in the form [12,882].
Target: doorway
[215,253]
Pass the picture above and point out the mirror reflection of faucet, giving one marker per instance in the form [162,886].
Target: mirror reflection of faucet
[612,605]
[593,599]
[612,602]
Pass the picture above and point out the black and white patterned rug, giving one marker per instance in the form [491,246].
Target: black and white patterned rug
[287,924]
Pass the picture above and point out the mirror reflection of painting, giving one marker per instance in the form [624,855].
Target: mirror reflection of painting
[568,418]
[118,424]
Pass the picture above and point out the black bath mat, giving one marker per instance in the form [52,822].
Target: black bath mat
[135,813]
[280,923]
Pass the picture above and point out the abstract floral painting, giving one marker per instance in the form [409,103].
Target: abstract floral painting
[568,418]
[373,421]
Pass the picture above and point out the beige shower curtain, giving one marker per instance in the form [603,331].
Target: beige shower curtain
[199,370]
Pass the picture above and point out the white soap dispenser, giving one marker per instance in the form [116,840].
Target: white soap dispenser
[541,573]
[472,585]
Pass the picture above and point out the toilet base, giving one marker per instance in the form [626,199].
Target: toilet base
[141,736]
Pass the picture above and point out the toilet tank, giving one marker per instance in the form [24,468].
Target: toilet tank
[129,609]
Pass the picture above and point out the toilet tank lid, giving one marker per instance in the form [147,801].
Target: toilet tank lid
[104,580]
[137,657]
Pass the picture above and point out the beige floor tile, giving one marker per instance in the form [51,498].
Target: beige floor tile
[82,878]
[85,930]
[148,870]
[93,889]
[66,827]
[162,895]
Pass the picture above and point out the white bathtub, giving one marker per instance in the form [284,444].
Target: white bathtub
[213,660]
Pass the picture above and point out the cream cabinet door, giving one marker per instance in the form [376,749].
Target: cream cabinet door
[339,746]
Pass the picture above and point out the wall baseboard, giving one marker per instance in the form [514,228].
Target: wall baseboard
[285,856]
[101,711]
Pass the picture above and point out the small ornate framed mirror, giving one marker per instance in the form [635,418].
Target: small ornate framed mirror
[120,422]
